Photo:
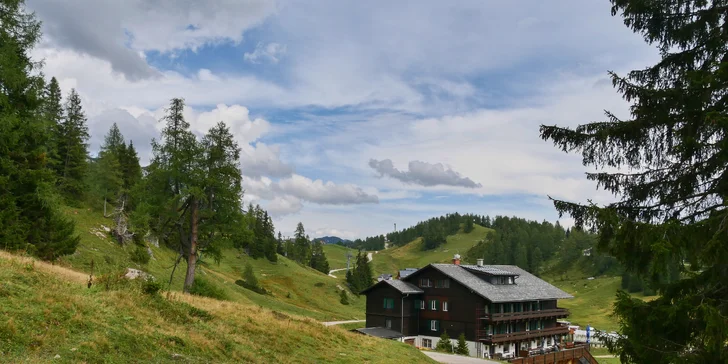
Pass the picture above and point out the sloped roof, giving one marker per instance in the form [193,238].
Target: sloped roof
[527,288]
[402,286]
[407,271]
[489,269]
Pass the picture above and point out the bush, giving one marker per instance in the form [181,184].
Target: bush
[462,348]
[256,289]
[201,287]
[319,284]
[444,344]
[150,286]
[344,297]
[139,255]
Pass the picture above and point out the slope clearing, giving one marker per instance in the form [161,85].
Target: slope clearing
[48,314]
[294,289]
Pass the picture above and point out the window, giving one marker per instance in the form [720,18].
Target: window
[434,325]
[389,303]
[444,305]
[548,341]
[427,343]
[442,283]
[421,304]
[425,282]
[433,305]
[388,323]
[506,348]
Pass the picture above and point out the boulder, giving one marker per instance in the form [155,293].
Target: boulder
[132,273]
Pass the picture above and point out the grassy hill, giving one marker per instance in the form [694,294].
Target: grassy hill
[48,314]
[336,255]
[412,256]
[295,289]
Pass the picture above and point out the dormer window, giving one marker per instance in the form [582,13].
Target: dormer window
[500,280]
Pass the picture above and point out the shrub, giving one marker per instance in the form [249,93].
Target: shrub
[462,348]
[344,297]
[319,284]
[201,287]
[151,286]
[256,289]
[139,255]
[444,344]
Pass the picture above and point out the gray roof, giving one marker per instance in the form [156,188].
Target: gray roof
[527,288]
[404,287]
[407,271]
[489,269]
[380,332]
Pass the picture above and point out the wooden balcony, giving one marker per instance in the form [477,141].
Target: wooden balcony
[523,315]
[521,335]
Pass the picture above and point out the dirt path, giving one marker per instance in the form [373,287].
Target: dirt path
[332,323]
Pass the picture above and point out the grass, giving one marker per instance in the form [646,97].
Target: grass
[294,289]
[412,256]
[336,255]
[47,312]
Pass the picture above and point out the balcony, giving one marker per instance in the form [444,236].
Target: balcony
[483,335]
[523,315]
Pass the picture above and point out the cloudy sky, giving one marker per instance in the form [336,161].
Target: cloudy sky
[355,115]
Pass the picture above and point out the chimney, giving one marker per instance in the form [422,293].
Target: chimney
[456,259]
[480,262]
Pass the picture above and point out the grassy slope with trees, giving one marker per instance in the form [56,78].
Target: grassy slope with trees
[49,313]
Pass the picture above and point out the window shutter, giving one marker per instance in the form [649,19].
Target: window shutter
[436,303]
[437,325]
[385,303]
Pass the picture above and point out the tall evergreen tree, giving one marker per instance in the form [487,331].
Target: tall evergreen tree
[318,258]
[106,173]
[302,246]
[73,149]
[53,113]
[673,156]
[30,217]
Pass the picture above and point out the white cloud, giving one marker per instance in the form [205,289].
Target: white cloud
[271,51]
[423,173]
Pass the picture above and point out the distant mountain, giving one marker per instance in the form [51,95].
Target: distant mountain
[333,240]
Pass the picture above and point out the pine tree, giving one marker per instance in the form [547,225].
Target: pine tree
[280,248]
[469,225]
[462,348]
[672,157]
[73,149]
[176,187]
[536,260]
[318,258]
[249,276]
[53,114]
[343,297]
[106,173]
[130,167]
[444,345]
[302,246]
[30,217]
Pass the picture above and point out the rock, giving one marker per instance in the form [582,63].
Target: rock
[176,356]
[132,273]
[58,356]
[73,349]
[108,230]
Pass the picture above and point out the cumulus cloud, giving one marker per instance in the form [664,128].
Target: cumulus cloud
[286,195]
[271,51]
[423,173]
[263,160]
[328,193]
[119,32]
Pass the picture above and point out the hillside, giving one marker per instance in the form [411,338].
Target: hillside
[48,314]
[336,255]
[412,256]
[295,289]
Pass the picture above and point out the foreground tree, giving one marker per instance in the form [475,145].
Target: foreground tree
[30,217]
[673,153]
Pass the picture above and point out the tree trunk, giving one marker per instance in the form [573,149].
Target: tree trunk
[192,253]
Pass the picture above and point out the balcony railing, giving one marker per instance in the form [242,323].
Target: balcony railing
[523,315]
[483,335]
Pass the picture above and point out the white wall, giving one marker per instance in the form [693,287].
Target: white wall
[472,346]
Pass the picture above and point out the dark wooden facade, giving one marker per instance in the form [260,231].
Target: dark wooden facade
[467,312]
[377,315]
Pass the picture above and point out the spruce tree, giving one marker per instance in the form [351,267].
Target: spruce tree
[30,217]
[73,149]
[444,345]
[53,114]
[318,258]
[302,245]
[672,187]
[107,176]
[462,348]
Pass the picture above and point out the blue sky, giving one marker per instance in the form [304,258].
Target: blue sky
[353,116]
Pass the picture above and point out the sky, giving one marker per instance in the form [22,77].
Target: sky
[353,116]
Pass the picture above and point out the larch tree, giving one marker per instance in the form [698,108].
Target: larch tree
[672,185]
[30,217]
[73,149]
[107,173]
